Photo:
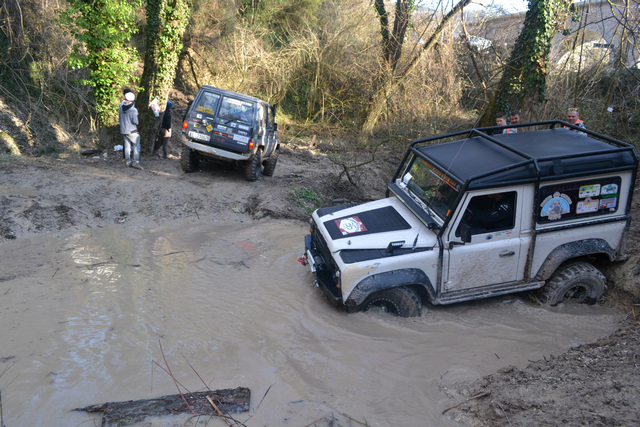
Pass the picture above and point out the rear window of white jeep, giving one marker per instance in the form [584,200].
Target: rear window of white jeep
[578,199]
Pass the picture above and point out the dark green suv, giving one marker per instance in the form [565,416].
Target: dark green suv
[231,127]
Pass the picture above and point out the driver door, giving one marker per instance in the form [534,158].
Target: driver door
[494,254]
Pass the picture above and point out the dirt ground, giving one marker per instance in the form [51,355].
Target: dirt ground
[594,384]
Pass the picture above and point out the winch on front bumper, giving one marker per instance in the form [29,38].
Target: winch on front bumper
[320,262]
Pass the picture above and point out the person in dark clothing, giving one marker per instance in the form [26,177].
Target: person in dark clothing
[165,129]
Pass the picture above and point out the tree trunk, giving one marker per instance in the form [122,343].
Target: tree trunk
[166,23]
[395,78]
[523,82]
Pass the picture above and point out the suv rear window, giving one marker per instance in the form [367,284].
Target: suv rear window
[235,110]
[208,103]
[578,199]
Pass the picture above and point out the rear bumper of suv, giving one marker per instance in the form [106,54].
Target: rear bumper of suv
[217,153]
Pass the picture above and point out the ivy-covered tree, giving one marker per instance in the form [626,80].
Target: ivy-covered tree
[167,21]
[523,82]
[104,29]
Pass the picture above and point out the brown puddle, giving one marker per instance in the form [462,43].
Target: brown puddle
[82,314]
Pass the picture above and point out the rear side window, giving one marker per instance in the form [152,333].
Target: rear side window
[579,199]
[207,103]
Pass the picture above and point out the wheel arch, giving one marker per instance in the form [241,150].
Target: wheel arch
[574,251]
[412,277]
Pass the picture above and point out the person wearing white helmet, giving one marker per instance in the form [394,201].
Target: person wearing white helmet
[128,117]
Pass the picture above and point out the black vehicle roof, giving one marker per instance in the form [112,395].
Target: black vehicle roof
[480,160]
[232,94]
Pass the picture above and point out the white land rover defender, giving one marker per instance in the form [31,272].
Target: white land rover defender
[472,215]
[231,127]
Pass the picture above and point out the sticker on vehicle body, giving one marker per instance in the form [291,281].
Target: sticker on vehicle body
[553,207]
[589,191]
[209,128]
[350,225]
[609,203]
[587,206]
[240,138]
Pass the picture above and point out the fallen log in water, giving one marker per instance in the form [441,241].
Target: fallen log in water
[226,401]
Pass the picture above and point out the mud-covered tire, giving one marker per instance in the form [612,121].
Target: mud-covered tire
[577,282]
[253,168]
[401,301]
[270,165]
[189,159]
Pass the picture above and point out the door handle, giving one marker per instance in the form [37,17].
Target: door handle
[506,253]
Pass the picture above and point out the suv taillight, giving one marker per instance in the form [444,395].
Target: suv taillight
[250,145]
[185,124]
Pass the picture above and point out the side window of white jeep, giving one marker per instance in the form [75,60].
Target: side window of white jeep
[489,213]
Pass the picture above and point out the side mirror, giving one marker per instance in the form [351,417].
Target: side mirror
[275,127]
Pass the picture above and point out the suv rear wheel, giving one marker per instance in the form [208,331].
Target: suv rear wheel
[188,159]
[401,301]
[253,168]
[580,282]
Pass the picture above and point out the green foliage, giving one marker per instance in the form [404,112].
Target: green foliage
[306,199]
[166,24]
[103,29]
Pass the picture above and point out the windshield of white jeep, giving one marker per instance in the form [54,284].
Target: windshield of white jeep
[430,188]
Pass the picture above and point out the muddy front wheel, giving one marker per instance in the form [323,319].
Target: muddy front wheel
[577,282]
[401,301]
[270,165]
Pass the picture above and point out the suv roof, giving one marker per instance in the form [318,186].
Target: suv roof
[233,94]
[481,160]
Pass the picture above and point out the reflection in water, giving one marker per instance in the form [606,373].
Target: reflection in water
[84,314]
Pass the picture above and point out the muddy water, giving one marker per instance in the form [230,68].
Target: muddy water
[87,317]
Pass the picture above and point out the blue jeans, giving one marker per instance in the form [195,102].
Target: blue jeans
[129,140]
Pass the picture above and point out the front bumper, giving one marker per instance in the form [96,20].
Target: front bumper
[319,261]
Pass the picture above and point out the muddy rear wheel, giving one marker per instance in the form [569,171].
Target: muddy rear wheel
[401,301]
[188,159]
[253,168]
[578,282]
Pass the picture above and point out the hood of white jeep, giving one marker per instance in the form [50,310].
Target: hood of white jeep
[373,225]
